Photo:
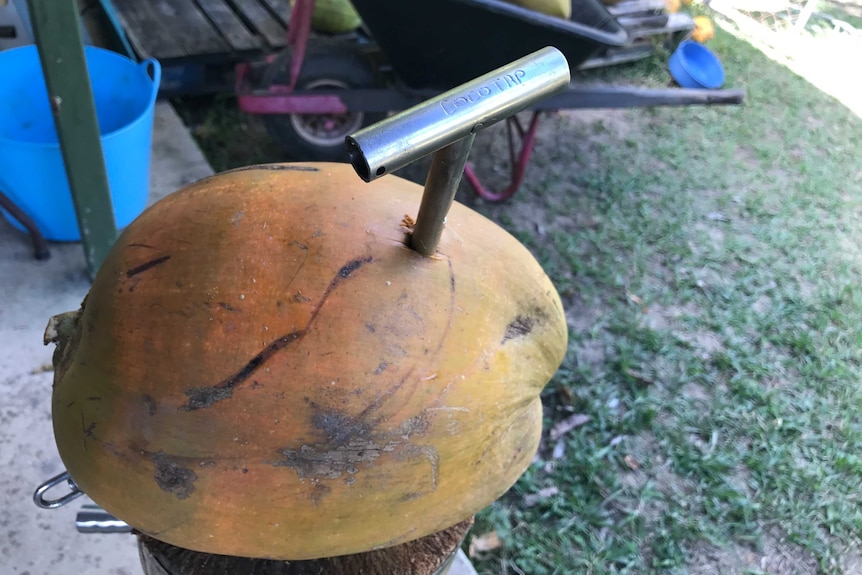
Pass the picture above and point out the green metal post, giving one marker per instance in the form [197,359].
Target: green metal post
[61,51]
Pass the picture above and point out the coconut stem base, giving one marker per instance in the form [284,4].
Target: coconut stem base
[429,555]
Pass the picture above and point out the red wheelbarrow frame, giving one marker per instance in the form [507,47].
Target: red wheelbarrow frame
[286,99]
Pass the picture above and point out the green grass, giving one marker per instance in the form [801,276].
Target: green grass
[712,274]
[739,230]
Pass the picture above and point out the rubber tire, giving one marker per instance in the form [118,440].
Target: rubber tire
[323,64]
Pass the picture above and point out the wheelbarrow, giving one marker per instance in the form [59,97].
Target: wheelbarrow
[319,88]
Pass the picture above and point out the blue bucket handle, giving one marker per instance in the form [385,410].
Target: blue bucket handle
[155,74]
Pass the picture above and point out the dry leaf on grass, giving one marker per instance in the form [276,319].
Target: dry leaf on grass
[568,424]
[484,543]
[565,394]
[617,440]
[638,376]
[632,463]
[533,498]
[559,450]
[44,368]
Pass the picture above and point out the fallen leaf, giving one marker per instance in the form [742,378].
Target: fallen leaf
[568,424]
[639,376]
[635,298]
[617,440]
[559,450]
[533,498]
[632,463]
[46,367]
[565,394]
[484,543]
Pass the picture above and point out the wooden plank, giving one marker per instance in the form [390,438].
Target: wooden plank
[167,29]
[260,19]
[281,8]
[229,24]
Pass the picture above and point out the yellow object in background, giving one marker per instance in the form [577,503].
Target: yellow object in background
[673,6]
[334,16]
[559,8]
[704,30]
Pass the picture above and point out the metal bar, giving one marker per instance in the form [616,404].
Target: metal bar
[805,14]
[298,33]
[447,125]
[116,28]
[599,97]
[40,246]
[447,165]
[94,519]
[61,51]
[414,133]
[519,167]
[280,100]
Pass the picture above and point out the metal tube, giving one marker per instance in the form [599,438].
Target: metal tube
[94,519]
[447,165]
[436,123]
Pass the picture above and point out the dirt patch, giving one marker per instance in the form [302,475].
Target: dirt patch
[776,557]
[615,123]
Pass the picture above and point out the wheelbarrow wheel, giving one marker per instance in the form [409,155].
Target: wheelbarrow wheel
[320,137]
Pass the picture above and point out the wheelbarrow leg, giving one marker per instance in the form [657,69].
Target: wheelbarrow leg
[40,246]
[521,143]
[298,32]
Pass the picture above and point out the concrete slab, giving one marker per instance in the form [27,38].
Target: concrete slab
[35,541]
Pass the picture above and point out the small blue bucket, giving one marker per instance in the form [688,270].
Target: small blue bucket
[693,65]
[32,172]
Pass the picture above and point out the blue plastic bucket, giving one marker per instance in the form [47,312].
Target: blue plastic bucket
[32,172]
[693,65]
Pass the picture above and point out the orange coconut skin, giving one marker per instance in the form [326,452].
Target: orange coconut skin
[263,368]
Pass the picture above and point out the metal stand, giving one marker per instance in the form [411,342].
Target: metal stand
[61,50]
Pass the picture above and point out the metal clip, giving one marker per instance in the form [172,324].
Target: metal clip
[74,492]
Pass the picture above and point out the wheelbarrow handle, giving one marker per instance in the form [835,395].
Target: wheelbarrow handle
[446,125]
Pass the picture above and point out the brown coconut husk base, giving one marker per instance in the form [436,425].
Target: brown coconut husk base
[426,556]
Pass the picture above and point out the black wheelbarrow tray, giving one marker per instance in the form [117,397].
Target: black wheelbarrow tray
[322,88]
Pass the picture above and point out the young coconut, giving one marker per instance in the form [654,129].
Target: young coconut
[263,367]
[275,363]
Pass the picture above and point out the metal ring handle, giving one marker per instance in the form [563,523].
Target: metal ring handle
[74,492]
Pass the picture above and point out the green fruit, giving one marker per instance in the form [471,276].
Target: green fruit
[335,16]
[559,8]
